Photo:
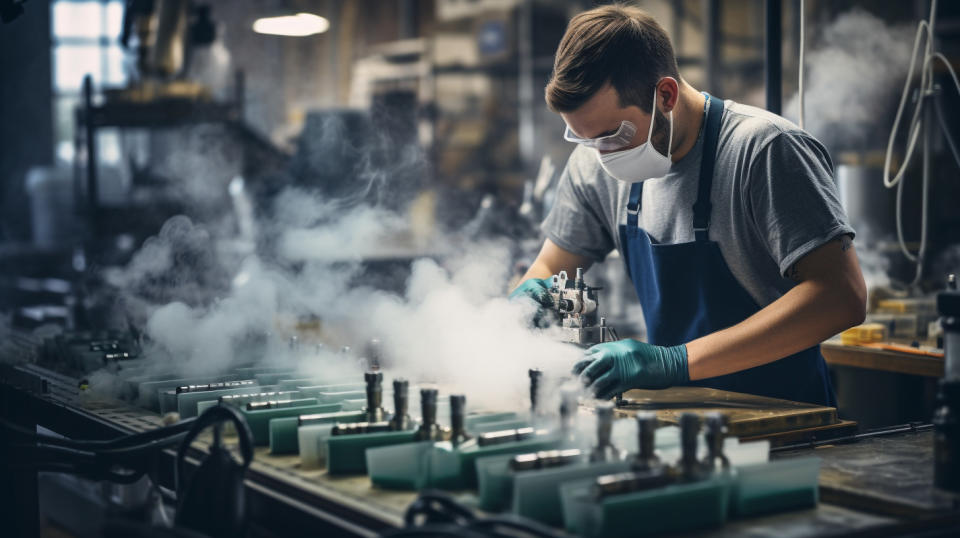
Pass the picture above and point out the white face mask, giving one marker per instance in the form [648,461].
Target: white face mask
[642,162]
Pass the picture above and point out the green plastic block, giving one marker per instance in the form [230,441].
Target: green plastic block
[453,468]
[670,509]
[283,430]
[259,421]
[536,493]
[187,402]
[149,391]
[403,467]
[472,421]
[776,486]
[346,454]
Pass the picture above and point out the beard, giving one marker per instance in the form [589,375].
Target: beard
[661,132]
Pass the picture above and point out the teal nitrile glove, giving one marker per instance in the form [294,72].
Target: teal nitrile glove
[538,290]
[614,367]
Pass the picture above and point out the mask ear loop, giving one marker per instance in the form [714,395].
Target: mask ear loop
[653,115]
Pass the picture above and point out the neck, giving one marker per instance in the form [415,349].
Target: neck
[688,116]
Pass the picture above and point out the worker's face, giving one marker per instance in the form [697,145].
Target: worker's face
[602,115]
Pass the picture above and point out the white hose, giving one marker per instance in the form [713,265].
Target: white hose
[925,89]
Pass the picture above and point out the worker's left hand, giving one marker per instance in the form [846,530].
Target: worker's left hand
[614,367]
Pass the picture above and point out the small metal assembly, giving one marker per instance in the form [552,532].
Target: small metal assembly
[646,458]
[576,304]
[374,409]
[546,459]
[355,428]
[429,429]
[277,404]
[458,432]
[604,450]
[716,431]
[401,400]
[216,386]
[536,376]
[620,483]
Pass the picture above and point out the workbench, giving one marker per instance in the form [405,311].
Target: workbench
[906,381]
[284,499]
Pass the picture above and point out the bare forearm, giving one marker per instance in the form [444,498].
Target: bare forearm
[552,259]
[803,317]
[830,296]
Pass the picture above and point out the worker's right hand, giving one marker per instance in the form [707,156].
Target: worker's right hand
[538,290]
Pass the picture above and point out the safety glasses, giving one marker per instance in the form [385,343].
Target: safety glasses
[617,140]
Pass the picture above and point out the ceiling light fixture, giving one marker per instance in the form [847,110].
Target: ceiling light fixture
[299,25]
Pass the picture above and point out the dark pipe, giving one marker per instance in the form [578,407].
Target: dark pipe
[773,50]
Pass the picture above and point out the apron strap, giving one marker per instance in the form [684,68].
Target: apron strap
[633,205]
[703,207]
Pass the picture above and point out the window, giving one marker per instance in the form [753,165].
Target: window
[86,40]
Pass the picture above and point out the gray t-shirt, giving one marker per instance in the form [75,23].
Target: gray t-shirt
[774,200]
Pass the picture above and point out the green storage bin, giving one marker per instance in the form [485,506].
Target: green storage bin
[779,485]
[346,454]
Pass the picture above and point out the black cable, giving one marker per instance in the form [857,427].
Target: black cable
[441,511]
[137,439]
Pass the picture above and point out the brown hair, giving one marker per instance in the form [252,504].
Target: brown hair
[619,44]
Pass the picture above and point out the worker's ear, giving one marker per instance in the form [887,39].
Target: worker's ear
[668,93]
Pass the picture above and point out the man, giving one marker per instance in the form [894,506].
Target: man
[726,216]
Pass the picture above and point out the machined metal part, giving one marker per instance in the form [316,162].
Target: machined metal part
[569,403]
[689,468]
[628,482]
[401,402]
[604,449]
[278,404]
[508,436]
[223,385]
[238,399]
[546,459]
[716,432]
[576,305]
[118,355]
[374,354]
[536,377]
[946,417]
[312,418]
[646,458]
[355,428]
[429,429]
[374,409]
[458,432]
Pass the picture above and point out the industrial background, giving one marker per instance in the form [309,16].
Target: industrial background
[197,206]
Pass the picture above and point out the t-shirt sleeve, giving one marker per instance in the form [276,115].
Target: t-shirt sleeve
[793,198]
[575,223]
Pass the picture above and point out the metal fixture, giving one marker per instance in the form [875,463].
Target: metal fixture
[401,400]
[429,429]
[458,433]
[604,450]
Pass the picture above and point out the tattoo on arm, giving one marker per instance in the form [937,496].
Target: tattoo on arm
[845,242]
[794,273]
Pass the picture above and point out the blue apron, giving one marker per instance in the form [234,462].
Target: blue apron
[687,291]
